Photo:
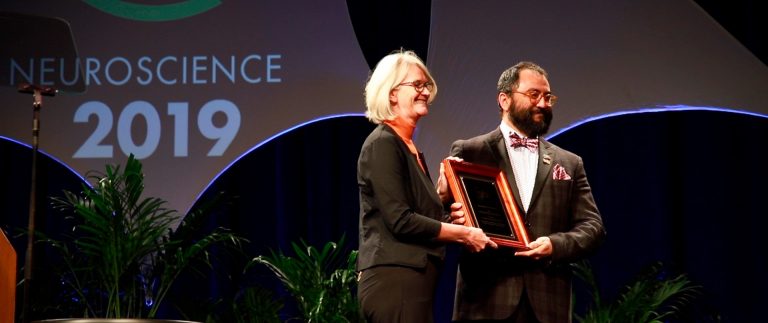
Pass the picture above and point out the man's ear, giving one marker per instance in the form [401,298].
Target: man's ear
[504,101]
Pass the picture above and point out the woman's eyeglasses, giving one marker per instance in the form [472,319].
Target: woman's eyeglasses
[420,86]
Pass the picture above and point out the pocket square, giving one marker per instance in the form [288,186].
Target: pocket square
[560,174]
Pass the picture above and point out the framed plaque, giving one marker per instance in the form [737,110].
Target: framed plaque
[488,202]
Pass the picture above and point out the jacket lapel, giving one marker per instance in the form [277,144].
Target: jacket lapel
[414,164]
[543,172]
[425,178]
[498,146]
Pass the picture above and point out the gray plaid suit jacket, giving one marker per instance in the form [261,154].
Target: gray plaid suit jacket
[490,283]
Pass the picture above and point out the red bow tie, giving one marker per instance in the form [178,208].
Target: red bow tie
[530,143]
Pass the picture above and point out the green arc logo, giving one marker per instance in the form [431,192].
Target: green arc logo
[145,12]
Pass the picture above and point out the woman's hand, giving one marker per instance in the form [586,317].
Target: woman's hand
[476,240]
[442,183]
[457,213]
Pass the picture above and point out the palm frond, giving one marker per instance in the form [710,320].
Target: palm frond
[124,255]
[650,297]
[319,279]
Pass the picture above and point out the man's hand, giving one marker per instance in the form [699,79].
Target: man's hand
[540,248]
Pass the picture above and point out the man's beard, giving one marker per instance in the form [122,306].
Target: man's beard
[523,119]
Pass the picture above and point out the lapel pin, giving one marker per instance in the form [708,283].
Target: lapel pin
[547,159]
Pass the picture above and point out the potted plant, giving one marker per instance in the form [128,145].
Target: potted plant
[321,281]
[123,254]
[651,298]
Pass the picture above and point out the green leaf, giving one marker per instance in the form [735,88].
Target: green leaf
[123,250]
[648,298]
[320,280]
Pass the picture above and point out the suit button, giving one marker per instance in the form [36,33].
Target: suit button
[527,224]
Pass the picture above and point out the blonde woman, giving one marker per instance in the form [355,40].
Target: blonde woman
[403,227]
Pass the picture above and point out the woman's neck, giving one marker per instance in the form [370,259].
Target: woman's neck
[404,131]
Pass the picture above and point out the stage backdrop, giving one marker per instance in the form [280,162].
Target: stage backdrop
[190,86]
[603,57]
[186,86]
[174,83]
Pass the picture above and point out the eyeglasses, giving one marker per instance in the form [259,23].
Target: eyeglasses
[536,95]
[419,86]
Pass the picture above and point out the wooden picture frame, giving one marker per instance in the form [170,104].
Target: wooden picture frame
[488,202]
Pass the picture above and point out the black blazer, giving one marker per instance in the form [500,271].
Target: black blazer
[400,211]
[490,283]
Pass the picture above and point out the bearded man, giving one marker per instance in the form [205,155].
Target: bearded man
[555,200]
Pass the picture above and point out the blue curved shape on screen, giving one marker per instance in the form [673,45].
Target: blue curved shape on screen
[653,110]
[50,157]
[560,131]
[270,139]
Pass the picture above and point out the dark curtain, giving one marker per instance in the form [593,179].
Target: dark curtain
[684,188]
[681,187]
[15,192]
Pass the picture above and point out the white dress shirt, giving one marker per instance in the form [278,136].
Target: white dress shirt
[524,164]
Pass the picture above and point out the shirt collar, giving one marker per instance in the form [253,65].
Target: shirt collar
[506,130]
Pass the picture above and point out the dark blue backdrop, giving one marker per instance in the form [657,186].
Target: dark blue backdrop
[681,187]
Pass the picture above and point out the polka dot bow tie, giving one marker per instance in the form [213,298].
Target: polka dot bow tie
[530,143]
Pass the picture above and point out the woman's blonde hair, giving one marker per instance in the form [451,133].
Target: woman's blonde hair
[387,75]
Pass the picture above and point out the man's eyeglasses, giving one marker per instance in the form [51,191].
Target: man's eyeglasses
[419,86]
[536,95]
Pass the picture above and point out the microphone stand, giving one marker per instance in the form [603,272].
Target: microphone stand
[19,39]
[37,103]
